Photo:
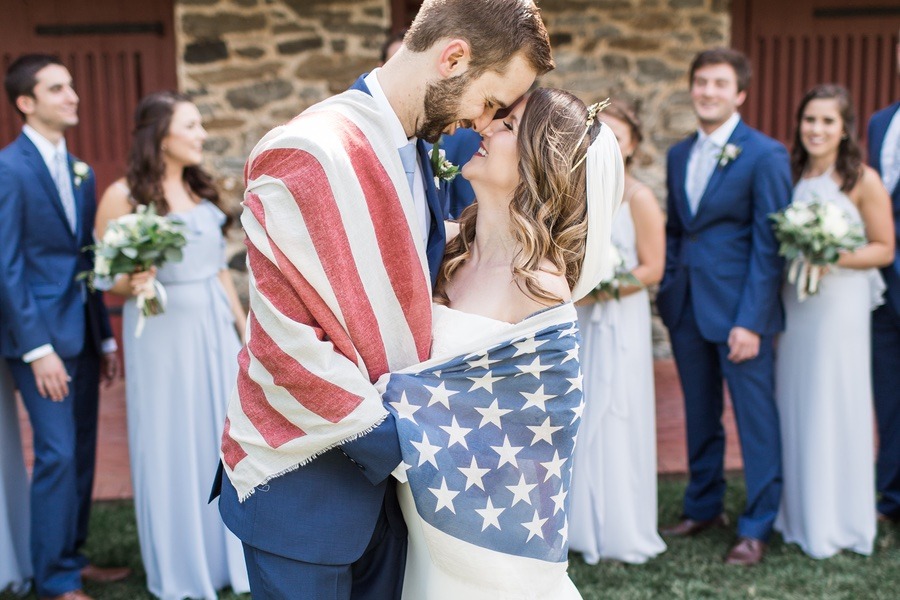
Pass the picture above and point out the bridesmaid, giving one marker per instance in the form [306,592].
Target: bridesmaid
[822,371]
[613,511]
[181,370]
[15,559]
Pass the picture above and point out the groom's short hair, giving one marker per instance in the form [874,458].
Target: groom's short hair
[724,56]
[495,29]
[21,76]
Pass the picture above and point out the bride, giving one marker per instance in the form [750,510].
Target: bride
[488,425]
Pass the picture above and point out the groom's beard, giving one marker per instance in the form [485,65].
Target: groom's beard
[441,106]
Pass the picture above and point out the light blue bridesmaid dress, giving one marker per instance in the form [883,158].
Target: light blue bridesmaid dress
[179,375]
[15,559]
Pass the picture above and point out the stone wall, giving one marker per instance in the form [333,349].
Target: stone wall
[253,64]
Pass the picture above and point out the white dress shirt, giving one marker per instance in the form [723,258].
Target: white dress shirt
[49,151]
[398,136]
[704,158]
[890,154]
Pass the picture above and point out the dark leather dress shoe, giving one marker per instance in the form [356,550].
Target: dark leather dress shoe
[746,552]
[104,574]
[688,527]
[73,595]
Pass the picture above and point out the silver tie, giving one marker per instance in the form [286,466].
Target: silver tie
[63,181]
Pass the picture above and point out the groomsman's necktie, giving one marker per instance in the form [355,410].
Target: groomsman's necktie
[892,172]
[64,185]
[408,157]
[700,169]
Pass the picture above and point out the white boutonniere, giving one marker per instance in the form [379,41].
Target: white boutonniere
[443,169]
[80,171]
[729,153]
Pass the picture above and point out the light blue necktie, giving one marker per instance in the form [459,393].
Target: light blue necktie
[703,166]
[408,158]
[64,185]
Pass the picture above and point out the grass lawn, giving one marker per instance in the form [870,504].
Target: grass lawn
[689,569]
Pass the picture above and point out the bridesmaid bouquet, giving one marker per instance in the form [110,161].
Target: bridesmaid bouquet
[134,243]
[611,287]
[812,236]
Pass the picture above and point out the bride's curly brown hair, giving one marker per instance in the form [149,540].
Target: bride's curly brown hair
[549,206]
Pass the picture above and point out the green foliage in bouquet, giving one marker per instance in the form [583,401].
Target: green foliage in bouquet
[622,277]
[136,242]
[442,168]
[816,232]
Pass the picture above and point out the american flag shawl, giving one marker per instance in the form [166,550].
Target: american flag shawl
[487,439]
[339,289]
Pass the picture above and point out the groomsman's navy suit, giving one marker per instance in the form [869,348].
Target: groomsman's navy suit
[42,303]
[340,508]
[723,270]
[886,343]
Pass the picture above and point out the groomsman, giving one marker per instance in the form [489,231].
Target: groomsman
[719,297]
[884,156]
[54,332]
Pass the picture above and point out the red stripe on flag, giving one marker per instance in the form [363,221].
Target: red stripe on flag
[272,425]
[299,301]
[231,450]
[318,395]
[401,260]
[307,182]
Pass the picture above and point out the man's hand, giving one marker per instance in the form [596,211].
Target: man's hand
[51,377]
[743,344]
[109,368]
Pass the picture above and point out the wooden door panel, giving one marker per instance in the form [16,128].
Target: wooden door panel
[794,46]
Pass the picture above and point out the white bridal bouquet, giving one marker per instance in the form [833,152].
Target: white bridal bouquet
[134,243]
[812,236]
[611,287]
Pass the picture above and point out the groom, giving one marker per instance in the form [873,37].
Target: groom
[719,297]
[54,332]
[345,236]
[884,156]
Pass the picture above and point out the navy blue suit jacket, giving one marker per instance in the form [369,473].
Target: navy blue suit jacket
[40,300]
[878,126]
[460,147]
[725,257]
[325,512]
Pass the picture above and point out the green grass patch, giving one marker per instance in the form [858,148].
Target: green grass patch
[689,569]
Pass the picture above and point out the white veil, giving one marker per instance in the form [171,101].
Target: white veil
[605,185]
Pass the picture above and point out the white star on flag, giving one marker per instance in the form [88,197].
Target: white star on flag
[521,491]
[473,474]
[486,381]
[564,531]
[536,399]
[570,331]
[559,500]
[527,346]
[553,467]
[404,409]
[534,527]
[507,453]
[492,414]
[535,368]
[575,383]
[427,451]
[482,363]
[578,410]
[444,496]
[544,431]
[440,394]
[490,515]
[457,434]
[571,354]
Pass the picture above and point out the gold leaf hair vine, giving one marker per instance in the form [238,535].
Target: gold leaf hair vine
[593,110]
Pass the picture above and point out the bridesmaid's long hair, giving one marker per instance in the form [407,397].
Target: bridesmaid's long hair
[849,159]
[146,167]
[549,206]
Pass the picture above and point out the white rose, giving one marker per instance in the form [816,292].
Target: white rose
[798,215]
[80,169]
[128,220]
[101,266]
[114,236]
[834,223]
